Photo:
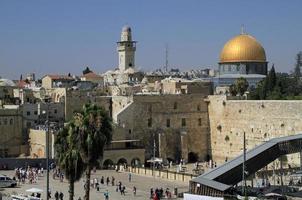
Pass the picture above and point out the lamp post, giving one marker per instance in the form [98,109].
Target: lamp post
[154,146]
[243,167]
[47,150]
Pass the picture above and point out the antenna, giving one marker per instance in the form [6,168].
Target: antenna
[166,58]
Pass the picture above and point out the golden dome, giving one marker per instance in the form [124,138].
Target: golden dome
[242,48]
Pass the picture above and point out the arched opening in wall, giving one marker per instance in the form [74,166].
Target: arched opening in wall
[122,161]
[108,164]
[135,162]
[208,158]
[170,160]
[192,157]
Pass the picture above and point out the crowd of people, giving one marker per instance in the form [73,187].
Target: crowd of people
[28,174]
[31,175]
[158,194]
[96,183]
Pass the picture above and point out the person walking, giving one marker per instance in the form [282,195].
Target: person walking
[61,196]
[134,190]
[129,176]
[106,195]
[57,195]
[123,190]
[151,193]
[112,180]
[107,181]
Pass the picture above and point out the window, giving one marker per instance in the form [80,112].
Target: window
[198,107]
[168,123]
[55,111]
[183,122]
[175,105]
[130,64]
[199,122]
[129,131]
[35,112]
[28,124]
[28,113]
[0,121]
[150,122]
[11,121]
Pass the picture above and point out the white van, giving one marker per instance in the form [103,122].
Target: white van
[17,197]
[6,181]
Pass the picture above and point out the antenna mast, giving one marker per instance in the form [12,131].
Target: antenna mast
[166,59]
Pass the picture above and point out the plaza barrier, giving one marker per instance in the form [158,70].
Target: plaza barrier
[13,163]
[164,174]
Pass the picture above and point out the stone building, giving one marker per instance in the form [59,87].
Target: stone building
[183,86]
[36,113]
[242,56]
[126,49]
[126,71]
[178,124]
[75,99]
[94,78]
[56,81]
[11,132]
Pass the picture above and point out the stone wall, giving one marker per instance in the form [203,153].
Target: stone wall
[11,133]
[75,100]
[37,144]
[260,120]
[187,131]
[129,155]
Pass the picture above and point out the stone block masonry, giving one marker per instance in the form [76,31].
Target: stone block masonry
[260,120]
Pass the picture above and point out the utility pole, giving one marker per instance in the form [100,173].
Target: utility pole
[243,167]
[47,151]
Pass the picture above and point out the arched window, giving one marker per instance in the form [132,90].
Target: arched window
[175,105]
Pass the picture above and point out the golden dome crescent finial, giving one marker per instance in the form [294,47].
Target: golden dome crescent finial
[242,29]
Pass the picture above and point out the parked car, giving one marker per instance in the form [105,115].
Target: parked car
[6,181]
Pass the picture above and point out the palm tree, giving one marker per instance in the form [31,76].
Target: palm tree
[68,156]
[95,131]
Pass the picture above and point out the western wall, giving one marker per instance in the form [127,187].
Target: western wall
[260,120]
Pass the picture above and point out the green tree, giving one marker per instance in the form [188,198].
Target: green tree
[86,71]
[271,79]
[241,85]
[68,156]
[297,72]
[95,131]
[233,91]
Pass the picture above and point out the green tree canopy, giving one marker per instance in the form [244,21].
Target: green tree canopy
[241,85]
[68,156]
[95,131]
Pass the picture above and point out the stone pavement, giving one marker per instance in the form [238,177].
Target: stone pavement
[142,183]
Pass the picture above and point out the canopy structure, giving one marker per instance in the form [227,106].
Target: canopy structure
[34,190]
[218,181]
[155,160]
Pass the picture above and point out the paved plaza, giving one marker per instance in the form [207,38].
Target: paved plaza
[142,183]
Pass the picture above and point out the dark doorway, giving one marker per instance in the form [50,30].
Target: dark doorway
[192,157]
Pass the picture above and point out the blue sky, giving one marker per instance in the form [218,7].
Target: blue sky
[61,36]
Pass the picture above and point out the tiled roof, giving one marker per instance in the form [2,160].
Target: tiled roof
[60,77]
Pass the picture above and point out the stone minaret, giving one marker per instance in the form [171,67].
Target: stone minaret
[126,50]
